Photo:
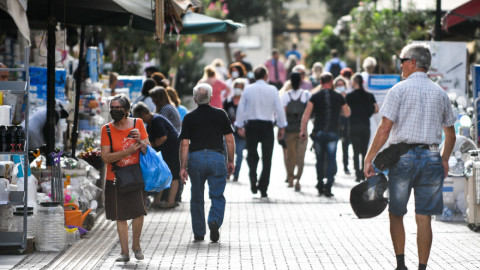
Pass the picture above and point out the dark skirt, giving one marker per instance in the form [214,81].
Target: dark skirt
[125,206]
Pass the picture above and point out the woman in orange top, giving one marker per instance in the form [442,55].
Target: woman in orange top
[127,141]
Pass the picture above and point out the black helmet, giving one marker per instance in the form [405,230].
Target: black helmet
[367,199]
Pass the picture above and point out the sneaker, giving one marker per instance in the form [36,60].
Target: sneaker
[197,238]
[214,233]
[138,254]
[254,189]
[235,179]
[123,258]
[264,194]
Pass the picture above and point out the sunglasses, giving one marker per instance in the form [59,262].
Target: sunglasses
[402,60]
[116,108]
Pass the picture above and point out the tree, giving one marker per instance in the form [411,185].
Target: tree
[382,34]
[339,8]
[322,44]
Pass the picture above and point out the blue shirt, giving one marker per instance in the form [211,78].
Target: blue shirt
[328,65]
[260,101]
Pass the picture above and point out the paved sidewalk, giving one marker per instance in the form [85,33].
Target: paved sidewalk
[292,230]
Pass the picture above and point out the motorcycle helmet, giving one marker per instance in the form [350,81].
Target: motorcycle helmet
[367,199]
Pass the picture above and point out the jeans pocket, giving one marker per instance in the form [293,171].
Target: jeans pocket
[219,168]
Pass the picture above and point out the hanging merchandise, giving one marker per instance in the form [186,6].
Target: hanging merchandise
[92,63]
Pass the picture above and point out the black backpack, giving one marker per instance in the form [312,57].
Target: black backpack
[294,112]
[335,69]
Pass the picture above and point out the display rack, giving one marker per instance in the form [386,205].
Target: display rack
[19,239]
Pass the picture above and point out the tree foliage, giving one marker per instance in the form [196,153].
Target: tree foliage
[384,33]
[322,44]
[339,8]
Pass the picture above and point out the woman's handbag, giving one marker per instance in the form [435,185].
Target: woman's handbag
[128,178]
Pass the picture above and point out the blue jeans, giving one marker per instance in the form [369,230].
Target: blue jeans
[325,144]
[207,165]
[239,147]
[422,170]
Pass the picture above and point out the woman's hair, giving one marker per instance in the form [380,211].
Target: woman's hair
[148,85]
[240,67]
[295,79]
[173,95]
[241,81]
[123,100]
[339,79]
[209,71]
[358,79]
[160,97]
[158,77]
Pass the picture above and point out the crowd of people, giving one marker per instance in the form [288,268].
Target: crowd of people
[238,108]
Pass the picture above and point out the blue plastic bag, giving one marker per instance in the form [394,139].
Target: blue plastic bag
[155,171]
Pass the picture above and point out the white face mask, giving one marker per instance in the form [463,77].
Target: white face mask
[237,91]
[235,74]
[340,88]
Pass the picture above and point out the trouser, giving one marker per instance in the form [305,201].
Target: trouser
[345,144]
[296,148]
[256,132]
[325,144]
[239,147]
[207,165]
[359,136]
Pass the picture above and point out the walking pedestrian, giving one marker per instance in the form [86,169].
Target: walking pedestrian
[362,105]
[335,64]
[231,108]
[259,106]
[276,70]
[127,138]
[326,106]
[218,86]
[294,102]
[414,112]
[203,133]
[317,70]
[163,137]
[173,95]
[340,85]
[145,97]
[165,106]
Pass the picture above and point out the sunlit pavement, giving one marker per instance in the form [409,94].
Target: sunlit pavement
[290,230]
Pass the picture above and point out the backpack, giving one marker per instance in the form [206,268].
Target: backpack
[335,69]
[294,112]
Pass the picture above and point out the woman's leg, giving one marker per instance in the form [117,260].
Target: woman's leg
[173,192]
[122,229]
[301,146]
[291,156]
[137,225]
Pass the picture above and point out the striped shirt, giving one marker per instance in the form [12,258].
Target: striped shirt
[419,109]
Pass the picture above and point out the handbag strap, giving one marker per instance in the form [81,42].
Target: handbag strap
[110,137]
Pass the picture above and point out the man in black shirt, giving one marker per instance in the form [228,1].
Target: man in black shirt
[203,132]
[326,106]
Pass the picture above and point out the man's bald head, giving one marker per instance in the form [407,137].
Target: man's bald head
[3,74]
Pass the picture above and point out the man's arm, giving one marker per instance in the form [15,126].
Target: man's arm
[230,141]
[305,117]
[450,139]
[159,141]
[184,145]
[381,136]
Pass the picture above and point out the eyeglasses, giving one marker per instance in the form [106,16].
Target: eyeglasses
[116,108]
[402,60]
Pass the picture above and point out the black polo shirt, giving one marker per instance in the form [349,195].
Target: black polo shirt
[362,106]
[205,127]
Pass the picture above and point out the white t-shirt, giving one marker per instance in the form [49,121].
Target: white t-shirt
[295,94]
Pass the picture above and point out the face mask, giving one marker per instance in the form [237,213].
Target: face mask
[341,88]
[237,92]
[117,115]
[235,74]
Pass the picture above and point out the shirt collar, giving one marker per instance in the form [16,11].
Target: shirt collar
[418,74]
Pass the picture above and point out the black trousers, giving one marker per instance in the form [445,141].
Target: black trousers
[258,131]
[359,136]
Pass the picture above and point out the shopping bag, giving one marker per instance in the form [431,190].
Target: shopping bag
[155,171]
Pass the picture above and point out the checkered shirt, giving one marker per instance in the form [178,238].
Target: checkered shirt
[419,109]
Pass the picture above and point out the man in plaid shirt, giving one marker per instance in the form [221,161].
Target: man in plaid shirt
[414,112]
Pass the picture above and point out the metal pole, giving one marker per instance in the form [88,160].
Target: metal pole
[78,84]
[50,140]
[438,17]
